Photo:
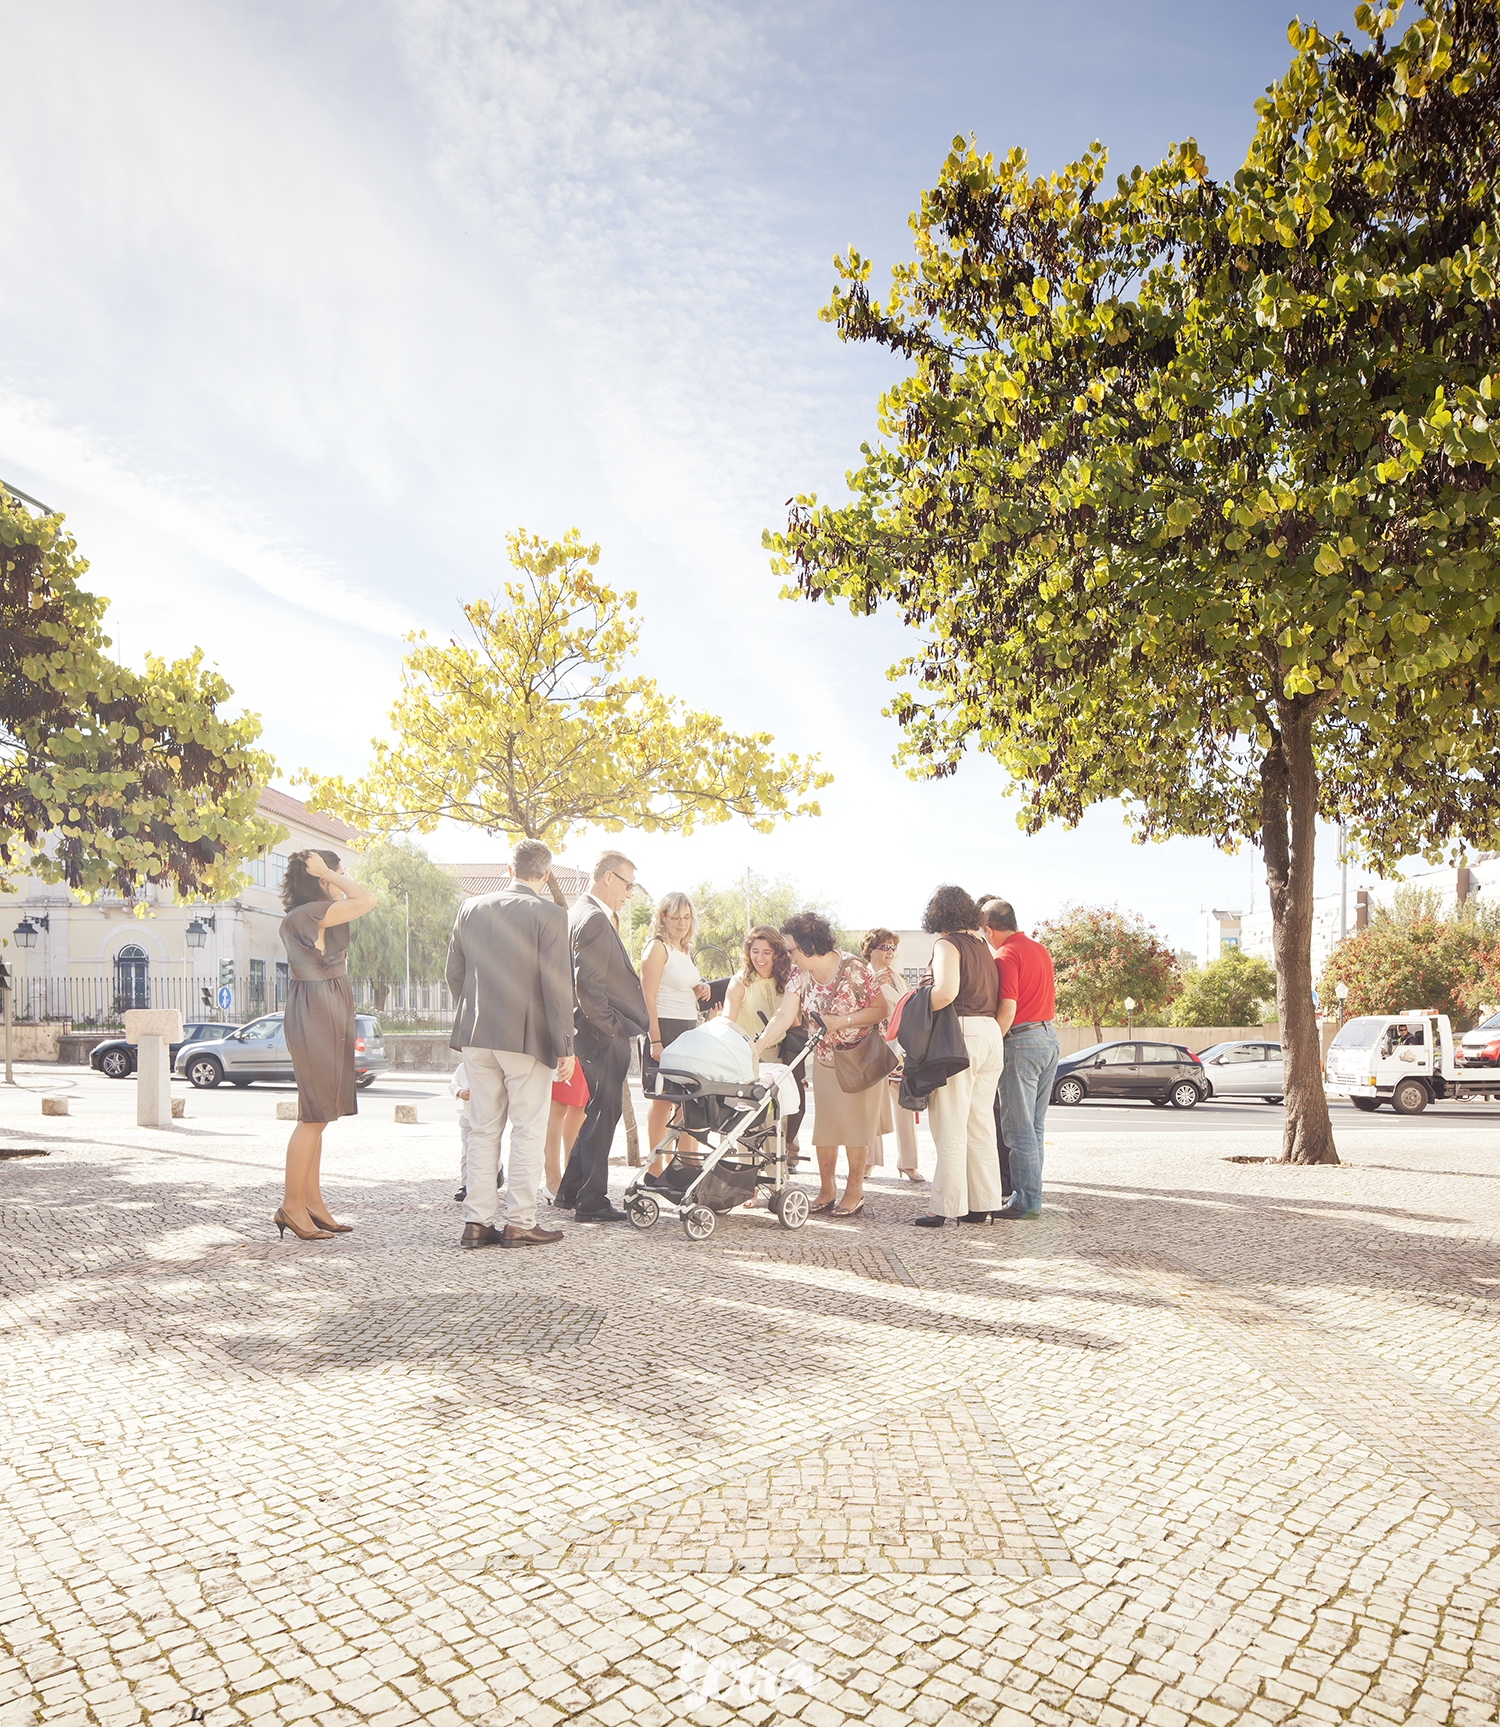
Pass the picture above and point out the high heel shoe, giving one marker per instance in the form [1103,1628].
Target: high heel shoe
[328,1224]
[284,1223]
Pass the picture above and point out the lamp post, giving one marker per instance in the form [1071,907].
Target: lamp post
[194,936]
[1130,1014]
[1341,990]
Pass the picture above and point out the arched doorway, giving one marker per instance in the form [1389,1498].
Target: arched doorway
[132,978]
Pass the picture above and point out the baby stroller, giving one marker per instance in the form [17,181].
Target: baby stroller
[739,1122]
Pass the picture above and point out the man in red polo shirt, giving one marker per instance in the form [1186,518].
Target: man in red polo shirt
[1026,1013]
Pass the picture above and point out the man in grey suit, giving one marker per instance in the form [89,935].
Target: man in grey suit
[611,1010]
[510,970]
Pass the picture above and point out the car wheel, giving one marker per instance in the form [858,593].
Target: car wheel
[1409,1098]
[1277,1099]
[1185,1094]
[204,1071]
[1158,1103]
[1368,1104]
[365,1081]
[116,1063]
[239,1084]
[1070,1091]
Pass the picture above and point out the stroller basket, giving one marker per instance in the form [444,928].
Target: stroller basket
[705,1108]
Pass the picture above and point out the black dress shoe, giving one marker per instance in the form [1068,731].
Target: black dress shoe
[605,1213]
[461,1195]
[976,1217]
[931,1221]
[480,1235]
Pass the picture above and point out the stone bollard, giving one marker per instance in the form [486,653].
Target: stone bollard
[54,1106]
[407,1112]
[153,1030]
[286,1109]
[179,1108]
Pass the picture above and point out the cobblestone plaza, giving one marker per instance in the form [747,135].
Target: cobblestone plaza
[1213,1441]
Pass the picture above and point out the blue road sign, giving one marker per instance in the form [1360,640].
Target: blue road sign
[226,998]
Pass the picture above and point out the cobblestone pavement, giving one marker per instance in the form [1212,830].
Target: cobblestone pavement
[1210,1442]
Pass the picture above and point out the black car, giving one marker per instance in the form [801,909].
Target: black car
[117,1058]
[1160,1072]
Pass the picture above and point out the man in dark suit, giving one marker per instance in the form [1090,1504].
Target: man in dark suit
[510,970]
[611,1010]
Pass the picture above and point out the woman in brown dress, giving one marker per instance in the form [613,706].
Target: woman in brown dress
[321,902]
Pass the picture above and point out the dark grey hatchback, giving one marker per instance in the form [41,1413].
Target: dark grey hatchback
[1160,1073]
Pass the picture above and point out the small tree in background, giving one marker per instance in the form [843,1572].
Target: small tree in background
[1100,956]
[1411,955]
[401,874]
[1235,989]
[722,916]
[109,776]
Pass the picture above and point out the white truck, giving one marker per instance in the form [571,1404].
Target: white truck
[1403,1059]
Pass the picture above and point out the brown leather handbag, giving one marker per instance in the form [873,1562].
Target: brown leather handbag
[863,1064]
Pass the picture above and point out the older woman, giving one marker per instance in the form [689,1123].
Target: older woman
[962,1111]
[673,989]
[321,902]
[840,990]
[754,998]
[879,952]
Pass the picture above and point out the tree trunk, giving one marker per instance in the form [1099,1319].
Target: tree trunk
[1289,809]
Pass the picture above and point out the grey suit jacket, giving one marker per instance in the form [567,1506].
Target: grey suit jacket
[510,970]
[610,1002]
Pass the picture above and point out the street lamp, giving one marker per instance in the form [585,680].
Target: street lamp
[197,932]
[26,931]
[1129,1013]
[1341,990]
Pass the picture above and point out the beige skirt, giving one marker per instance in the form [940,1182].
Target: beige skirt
[843,1117]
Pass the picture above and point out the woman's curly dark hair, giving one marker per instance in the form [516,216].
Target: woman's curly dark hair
[781,965]
[950,908]
[813,934]
[297,886]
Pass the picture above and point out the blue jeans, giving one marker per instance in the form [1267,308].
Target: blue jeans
[1025,1091]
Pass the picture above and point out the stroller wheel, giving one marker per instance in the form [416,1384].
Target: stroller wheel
[792,1212]
[698,1223]
[642,1210]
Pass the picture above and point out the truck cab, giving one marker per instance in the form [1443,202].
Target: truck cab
[1406,1060]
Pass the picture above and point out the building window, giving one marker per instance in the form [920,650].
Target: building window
[257,1001]
[278,870]
[257,870]
[282,977]
[132,978]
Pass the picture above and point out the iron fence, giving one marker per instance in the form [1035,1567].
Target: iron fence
[100,1003]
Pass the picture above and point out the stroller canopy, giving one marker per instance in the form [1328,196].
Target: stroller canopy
[718,1052]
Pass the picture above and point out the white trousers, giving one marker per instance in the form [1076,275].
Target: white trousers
[962,1118]
[505,1086]
[906,1136]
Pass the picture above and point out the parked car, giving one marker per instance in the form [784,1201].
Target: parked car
[1481,1047]
[1244,1070]
[118,1058]
[1160,1072]
[259,1051]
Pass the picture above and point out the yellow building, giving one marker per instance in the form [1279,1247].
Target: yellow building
[87,963]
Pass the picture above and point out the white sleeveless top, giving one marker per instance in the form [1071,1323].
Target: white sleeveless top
[674,995]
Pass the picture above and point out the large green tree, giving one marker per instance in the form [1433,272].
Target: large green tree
[108,776]
[1101,956]
[417,898]
[1190,485]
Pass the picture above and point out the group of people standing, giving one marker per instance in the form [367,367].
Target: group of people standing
[548,1002]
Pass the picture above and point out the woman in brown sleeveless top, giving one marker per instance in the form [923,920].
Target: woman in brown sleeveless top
[962,1112]
[321,902]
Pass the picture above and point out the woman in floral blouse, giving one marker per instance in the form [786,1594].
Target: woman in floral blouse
[841,990]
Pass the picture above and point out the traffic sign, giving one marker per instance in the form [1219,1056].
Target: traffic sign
[226,998]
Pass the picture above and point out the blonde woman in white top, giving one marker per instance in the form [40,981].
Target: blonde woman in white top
[673,989]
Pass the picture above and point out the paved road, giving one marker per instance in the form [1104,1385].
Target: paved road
[1209,1443]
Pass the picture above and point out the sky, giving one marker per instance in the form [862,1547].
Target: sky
[306,306]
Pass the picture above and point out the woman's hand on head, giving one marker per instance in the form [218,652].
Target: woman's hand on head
[315,867]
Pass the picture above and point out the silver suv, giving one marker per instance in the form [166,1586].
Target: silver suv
[259,1051]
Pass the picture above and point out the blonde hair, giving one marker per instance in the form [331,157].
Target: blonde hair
[670,905]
